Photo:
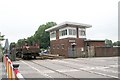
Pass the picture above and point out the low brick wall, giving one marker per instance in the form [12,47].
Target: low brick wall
[107,51]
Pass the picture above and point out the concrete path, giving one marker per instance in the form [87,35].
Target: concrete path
[0,55]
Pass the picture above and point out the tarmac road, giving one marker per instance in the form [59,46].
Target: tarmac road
[102,67]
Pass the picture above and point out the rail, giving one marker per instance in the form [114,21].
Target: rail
[11,69]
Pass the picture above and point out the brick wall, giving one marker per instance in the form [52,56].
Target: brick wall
[96,43]
[60,46]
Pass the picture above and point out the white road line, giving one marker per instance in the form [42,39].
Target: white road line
[115,66]
[100,69]
[65,70]
[104,74]
[89,71]
[47,71]
[37,70]
[94,72]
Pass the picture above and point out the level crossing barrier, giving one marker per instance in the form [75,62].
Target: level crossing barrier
[11,69]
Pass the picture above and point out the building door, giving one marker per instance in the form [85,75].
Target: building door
[91,51]
[72,51]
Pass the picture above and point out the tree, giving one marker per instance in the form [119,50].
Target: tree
[108,43]
[21,42]
[117,43]
[30,40]
[1,39]
[42,36]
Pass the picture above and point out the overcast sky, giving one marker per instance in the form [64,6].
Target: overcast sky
[21,18]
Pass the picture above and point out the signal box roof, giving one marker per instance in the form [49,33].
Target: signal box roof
[71,24]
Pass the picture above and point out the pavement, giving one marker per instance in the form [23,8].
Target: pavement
[0,63]
[0,55]
[0,70]
[100,67]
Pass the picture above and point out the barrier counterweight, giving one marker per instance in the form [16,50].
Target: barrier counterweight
[11,69]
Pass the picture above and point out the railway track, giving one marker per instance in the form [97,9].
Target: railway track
[57,67]
[84,69]
[75,61]
[69,77]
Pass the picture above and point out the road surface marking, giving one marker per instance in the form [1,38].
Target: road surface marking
[65,70]
[93,68]
[47,71]
[37,70]
[114,65]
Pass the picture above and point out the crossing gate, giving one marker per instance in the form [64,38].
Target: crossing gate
[75,52]
[11,69]
[91,51]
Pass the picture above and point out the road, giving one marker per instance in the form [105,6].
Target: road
[102,67]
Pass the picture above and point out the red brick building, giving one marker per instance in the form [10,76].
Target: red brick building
[95,43]
[90,46]
[69,39]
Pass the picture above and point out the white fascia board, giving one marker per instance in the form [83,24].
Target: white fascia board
[67,36]
[80,24]
[52,39]
[69,23]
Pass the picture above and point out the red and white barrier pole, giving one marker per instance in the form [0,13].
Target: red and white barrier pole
[12,69]
[18,76]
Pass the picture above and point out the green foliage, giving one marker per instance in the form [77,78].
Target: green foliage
[12,44]
[1,37]
[108,43]
[40,36]
[117,43]
[43,37]
[21,41]
[30,40]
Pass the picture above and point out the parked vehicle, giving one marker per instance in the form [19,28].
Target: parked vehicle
[26,51]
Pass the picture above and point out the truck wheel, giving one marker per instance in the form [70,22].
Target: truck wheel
[34,57]
[19,56]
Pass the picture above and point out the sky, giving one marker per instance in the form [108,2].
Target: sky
[21,18]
